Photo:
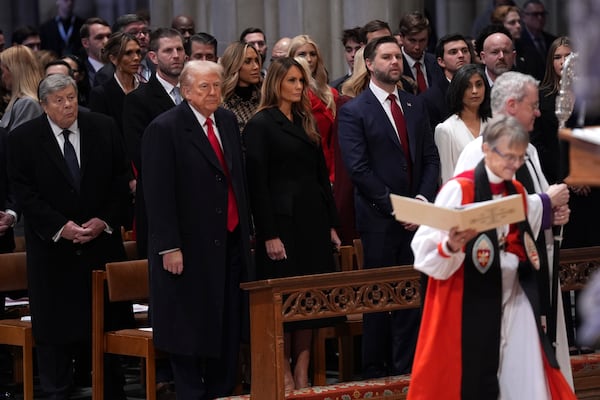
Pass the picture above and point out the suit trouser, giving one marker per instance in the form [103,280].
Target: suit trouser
[202,378]
[55,369]
[389,339]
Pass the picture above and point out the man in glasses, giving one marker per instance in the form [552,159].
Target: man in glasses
[534,41]
[27,36]
[516,94]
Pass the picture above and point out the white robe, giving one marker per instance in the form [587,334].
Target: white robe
[468,159]
[521,372]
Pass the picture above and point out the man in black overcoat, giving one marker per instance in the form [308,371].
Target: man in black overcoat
[69,174]
[198,250]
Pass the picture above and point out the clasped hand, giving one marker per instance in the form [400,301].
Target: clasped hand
[83,233]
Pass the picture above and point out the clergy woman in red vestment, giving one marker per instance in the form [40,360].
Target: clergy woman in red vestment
[481,334]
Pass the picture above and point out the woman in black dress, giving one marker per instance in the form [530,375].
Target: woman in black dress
[293,207]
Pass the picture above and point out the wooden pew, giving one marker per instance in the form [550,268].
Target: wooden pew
[275,301]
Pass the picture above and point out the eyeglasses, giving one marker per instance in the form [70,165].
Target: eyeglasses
[511,158]
[537,14]
[145,32]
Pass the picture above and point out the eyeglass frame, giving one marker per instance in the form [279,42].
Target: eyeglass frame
[511,158]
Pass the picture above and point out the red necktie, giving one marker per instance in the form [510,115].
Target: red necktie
[232,211]
[420,78]
[402,132]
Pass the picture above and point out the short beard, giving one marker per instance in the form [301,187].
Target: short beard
[384,78]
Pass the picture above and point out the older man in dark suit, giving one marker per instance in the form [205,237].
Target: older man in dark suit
[69,174]
[147,102]
[387,146]
[195,192]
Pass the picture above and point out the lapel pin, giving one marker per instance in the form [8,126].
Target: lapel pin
[409,104]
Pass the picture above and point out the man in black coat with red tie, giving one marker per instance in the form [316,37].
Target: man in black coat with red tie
[198,220]
[69,174]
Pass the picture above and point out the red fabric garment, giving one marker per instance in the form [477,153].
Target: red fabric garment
[324,118]
[232,211]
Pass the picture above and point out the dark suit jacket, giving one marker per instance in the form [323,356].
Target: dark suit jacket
[434,72]
[108,99]
[436,102]
[529,60]
[59,272]
[375,160]
[337,84]
[7,197]
[51,39]
[140,107]
[186,197]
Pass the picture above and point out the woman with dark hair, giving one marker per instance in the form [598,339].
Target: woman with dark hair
[124,52]
[80,76]
[293,207]
[469,103]
[241,87]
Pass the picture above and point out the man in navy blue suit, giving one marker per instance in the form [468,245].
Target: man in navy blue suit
[420,66]
[387,146]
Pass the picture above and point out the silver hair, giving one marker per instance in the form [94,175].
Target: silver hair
[194,67]
[53,83]
[505,126]
[510,85]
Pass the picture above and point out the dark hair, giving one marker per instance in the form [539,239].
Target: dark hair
[373,26]
[371,47]
[458,86]
[201,37]
[251,30]
[351,34]
[528,2]
[84,31]
[116,45]
[59,62]
[126,19]
[271,94]
[22,33]
[412,23]
[161,33]
[487,32]
[452,37]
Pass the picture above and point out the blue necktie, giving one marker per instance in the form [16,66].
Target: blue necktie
[71,158]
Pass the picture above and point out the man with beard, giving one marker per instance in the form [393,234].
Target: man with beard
[495,47]
[387,145]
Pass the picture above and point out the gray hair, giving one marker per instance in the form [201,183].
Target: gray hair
[199,66]
[510,85]
[53,83]
[505,126]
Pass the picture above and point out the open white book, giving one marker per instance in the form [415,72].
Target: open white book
[481,216]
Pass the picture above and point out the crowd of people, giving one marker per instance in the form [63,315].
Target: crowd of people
[230,168]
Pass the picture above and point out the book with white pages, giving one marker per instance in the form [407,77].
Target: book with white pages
[481,216]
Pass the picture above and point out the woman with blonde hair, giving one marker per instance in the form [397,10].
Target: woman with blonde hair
[293,209]
[21,74]
[322,96]
[241,87]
